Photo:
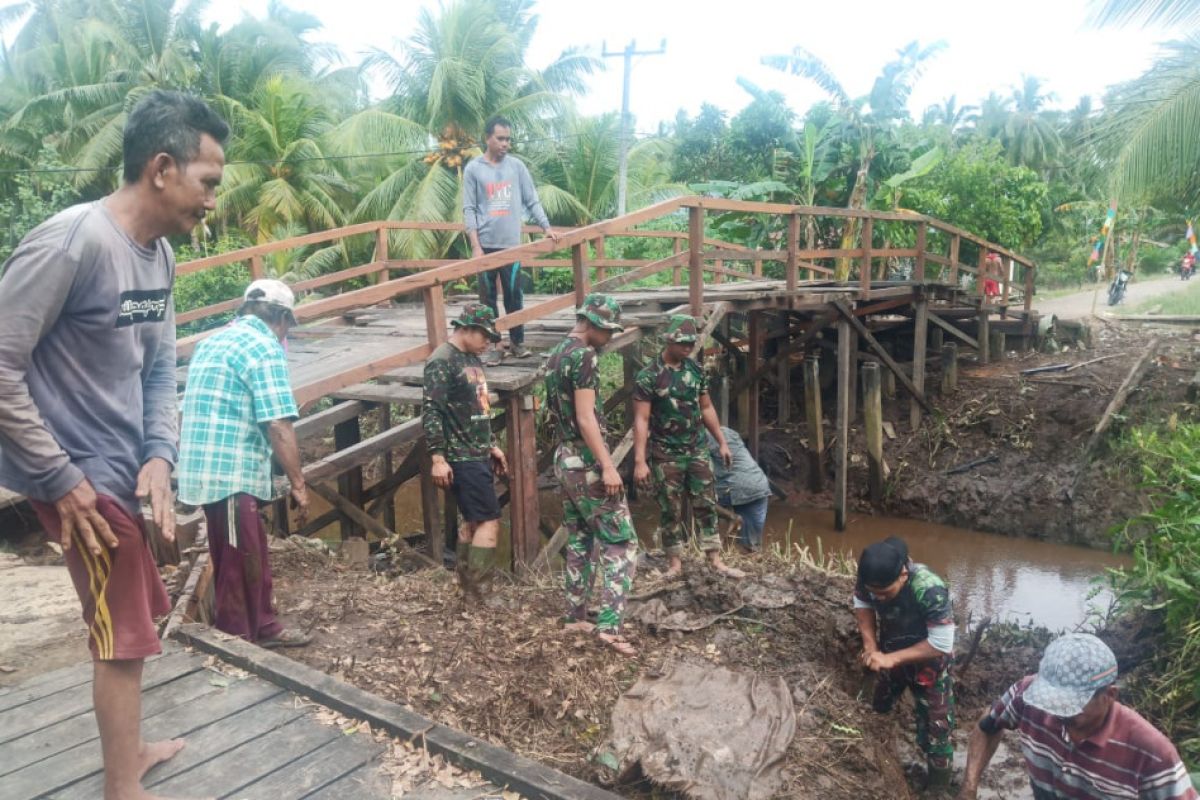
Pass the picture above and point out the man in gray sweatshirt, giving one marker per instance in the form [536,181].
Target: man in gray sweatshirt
[87,397]
[497,193]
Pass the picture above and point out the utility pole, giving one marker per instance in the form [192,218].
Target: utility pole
[628,53]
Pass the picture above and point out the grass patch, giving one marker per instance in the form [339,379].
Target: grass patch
[1183,302]
[1165,575]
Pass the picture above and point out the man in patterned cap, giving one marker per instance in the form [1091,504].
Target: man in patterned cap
[1078,741]
[456,415]
[671,409]
[594,506]
[907,624]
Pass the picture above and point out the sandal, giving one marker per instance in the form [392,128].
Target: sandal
[617,643]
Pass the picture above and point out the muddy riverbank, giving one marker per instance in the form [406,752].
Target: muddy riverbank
[1026,436]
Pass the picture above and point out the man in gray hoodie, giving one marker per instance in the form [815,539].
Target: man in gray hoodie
[497,193]
[87,397]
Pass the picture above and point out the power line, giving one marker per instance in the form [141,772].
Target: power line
[270,161]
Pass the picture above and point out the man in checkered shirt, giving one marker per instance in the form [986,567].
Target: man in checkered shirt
[237,412]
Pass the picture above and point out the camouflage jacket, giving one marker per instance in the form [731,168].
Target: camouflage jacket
[455,411]
[676,428]
[572,365]
[924,602]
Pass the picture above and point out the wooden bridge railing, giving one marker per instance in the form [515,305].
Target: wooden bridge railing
[591,269]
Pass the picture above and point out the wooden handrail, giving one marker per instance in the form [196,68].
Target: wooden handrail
[439,272]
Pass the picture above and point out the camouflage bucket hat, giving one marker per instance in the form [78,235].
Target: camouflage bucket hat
[681,329]
[478,316]
[602,311]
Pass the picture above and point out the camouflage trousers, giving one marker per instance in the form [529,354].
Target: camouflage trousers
[933,690]
[595,521]
[690,477]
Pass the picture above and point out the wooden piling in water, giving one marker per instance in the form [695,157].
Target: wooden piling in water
[949,368]
[873,419]
[812,414]
[920,329]
[845,390]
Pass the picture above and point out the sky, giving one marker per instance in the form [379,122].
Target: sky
[709,45]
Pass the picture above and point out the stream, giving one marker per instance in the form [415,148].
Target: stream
[1021,580]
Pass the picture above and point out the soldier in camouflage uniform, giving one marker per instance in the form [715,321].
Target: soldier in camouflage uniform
[456,415]
[671,409]
[594,506]
[906,620]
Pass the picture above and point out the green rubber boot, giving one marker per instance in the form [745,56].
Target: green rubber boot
[480,562]
[939,779]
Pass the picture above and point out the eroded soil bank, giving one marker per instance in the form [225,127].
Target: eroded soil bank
[1031,431]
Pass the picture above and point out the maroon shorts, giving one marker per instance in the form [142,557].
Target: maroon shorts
[991,288]
[120,589]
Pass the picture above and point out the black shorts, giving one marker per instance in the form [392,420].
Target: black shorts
[475,490]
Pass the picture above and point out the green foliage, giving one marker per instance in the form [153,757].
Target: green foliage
[975,189]
[29,200]
[1165,576]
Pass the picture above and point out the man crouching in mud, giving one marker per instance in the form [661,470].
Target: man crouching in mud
[907,625]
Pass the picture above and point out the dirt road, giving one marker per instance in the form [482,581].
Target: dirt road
[1079,304]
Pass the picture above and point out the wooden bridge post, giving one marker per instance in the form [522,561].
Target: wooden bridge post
[754,359]
[381,255]
[886,376]
[997,343]
[920,334]
[842,453]
[852,378]
[718,275]
[936,339]
[949,368]
[695,261]
[873,417]
[435,314]
[256,267]
[431,507]
[524,514]
[955,243]
[386,470]
[677,270]
[864,276]
[784,414]
[793,247]
[812,414]
[922,244]
[601,272]
[579,269]
[350,483]
[1028,289]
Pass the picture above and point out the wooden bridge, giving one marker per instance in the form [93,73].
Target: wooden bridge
[770,309]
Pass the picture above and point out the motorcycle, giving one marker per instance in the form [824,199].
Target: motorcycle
[1116,289]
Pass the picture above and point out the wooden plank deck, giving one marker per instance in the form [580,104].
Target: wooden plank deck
[246,738]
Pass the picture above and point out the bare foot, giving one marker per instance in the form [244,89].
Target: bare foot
[721,568]
[153,753]
[618,643]
[579,625]
[674,568]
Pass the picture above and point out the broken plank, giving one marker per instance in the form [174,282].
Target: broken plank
[905,381]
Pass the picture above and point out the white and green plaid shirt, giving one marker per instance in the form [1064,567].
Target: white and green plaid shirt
[237,380]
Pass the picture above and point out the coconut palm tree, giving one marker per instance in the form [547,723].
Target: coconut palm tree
[578,171]
[869,119]
[1029,136]
[92,61]
[950,114]
[278,178]
[460,67]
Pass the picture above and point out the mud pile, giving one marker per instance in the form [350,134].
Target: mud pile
[508,673]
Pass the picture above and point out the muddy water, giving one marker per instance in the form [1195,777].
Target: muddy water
[1022,580]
